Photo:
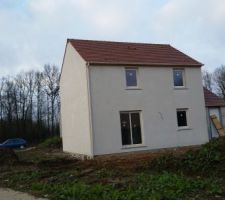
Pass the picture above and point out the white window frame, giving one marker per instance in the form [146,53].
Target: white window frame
[131,134]
[183,77]
[187,118]
[137,78]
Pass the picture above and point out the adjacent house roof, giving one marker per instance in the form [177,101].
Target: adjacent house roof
[212,100]
[116,53]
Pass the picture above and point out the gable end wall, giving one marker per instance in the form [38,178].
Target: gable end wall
[75,113]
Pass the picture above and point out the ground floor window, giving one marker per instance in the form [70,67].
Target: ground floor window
[182,118]
[130,128]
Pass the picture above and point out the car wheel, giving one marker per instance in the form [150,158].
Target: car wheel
[22,147]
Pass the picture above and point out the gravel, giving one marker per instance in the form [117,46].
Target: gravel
[8,194]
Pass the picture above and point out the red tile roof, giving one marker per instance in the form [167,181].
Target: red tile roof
[212,100]
[115,53]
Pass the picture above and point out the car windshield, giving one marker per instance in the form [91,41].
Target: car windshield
[6,142]
[11,141]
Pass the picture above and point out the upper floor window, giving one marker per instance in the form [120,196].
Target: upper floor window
[131,77]
[178,78]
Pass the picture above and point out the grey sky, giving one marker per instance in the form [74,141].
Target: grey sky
[34,32]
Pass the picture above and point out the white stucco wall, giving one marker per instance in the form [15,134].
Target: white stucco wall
[158,101]
[75,116]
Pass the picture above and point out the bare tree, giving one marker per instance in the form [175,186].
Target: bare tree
[51,79]
[1,98]
[30,85]
[39,95]
[219,78]
[207,79]
[8,100]
[23,104]
[29,104]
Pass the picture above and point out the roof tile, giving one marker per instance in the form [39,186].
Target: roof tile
[212,100]
[112,53]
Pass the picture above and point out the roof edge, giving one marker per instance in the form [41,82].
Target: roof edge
[187,55]
[145,64]
[114,41]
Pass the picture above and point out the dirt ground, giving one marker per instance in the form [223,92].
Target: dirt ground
[8,194]
[126,162]
[44,172]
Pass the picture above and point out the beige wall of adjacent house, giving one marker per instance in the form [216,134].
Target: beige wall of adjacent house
[75,116]
[157,99]
[220,113]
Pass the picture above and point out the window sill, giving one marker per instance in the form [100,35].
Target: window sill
[184,128]
[133,146]
[133,88]
[180,88]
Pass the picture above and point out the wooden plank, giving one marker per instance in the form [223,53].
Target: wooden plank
[217,125]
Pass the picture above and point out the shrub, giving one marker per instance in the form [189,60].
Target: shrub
[209,157]
[53,142]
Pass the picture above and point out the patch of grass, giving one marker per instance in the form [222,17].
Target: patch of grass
[19,181]
[210,157]
[173,186]
[25,177]
[53,142]
[150,187]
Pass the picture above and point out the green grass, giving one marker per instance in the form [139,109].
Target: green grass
[196,174]
[156,187]
[144,186]
[209,158]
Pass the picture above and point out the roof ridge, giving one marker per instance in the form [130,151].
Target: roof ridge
[121,42]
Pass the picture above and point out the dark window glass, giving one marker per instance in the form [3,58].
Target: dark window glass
[131,132]
[131,77]
[181,118]
[125,128]
[178,78]
[136,128]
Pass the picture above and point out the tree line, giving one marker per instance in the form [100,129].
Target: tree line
[29,104]
[215,81]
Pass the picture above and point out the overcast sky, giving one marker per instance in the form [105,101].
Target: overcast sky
[34,32]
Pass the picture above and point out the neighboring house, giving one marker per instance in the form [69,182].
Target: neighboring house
[122,97]
[214,106]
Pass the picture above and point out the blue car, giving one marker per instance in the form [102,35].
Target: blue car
[14,143]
